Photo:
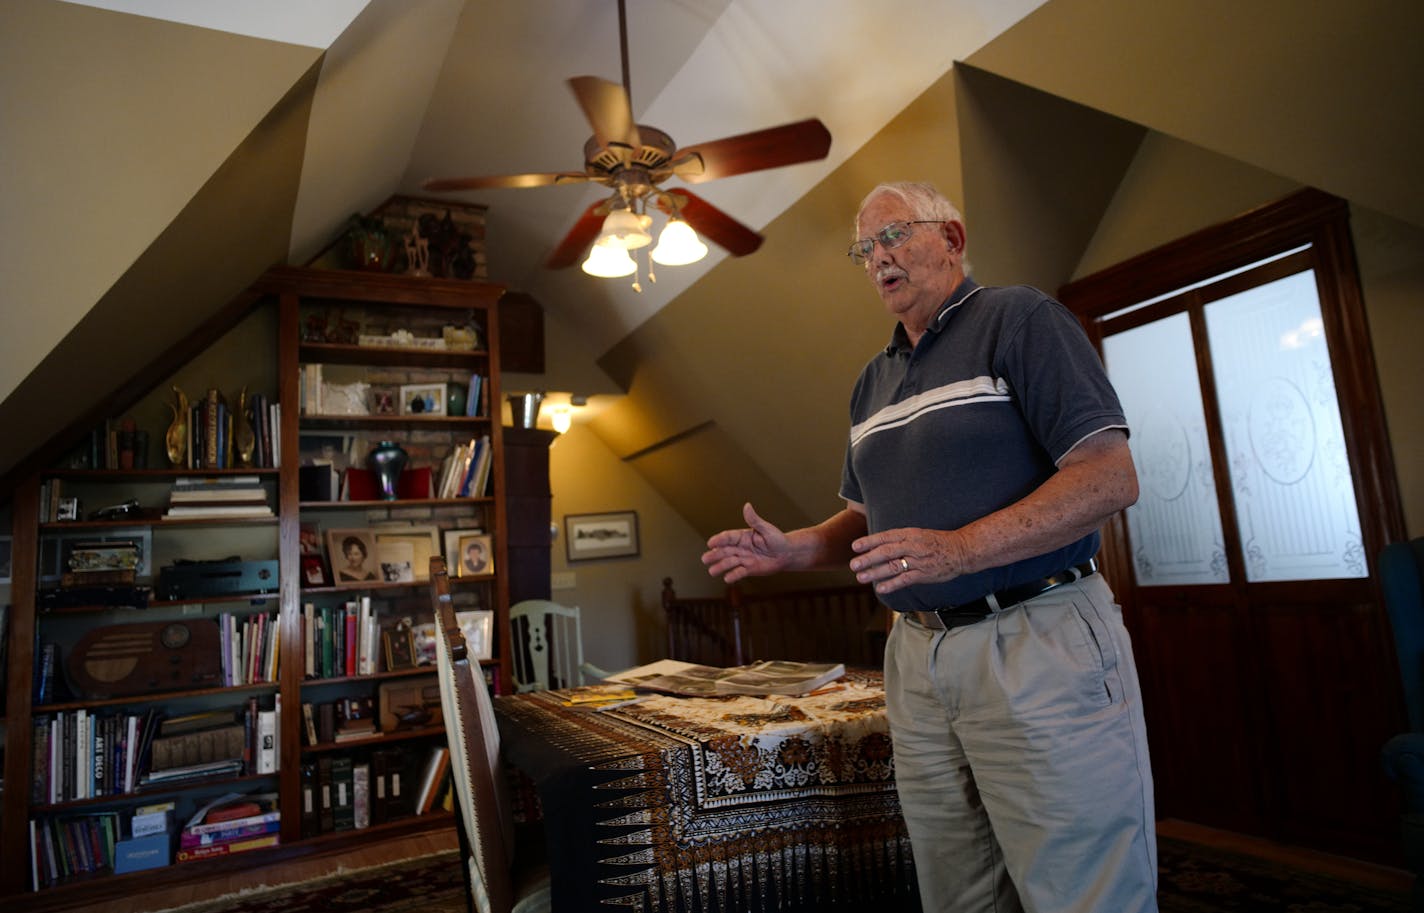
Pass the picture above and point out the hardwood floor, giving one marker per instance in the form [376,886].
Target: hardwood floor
[1367,874]
[1363,873]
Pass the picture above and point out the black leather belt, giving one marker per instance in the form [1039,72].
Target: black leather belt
[968,613]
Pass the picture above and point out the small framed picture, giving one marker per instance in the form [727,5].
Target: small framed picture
[314,571]
[478,627]
[422,399]
[385,400]
[406,548]
[352,553]
[469,552]
[398,647]
[591,536]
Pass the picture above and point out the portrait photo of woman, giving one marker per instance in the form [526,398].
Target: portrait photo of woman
[349,552]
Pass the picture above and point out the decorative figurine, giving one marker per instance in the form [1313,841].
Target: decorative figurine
[243,436]
[176,440]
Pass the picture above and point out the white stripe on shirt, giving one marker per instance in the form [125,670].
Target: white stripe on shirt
[959,393]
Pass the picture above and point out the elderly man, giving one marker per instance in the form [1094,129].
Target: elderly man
[986,448]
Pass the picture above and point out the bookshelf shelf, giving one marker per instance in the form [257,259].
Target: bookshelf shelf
[338,354]
[399,735]
[157,696]
[153,793]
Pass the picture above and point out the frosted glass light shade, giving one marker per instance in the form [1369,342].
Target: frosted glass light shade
[608,261]
[625,229]
[678,245]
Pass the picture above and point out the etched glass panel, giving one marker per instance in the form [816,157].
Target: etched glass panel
[1290,473]
[1175,526]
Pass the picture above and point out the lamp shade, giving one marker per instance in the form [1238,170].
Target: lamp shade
[608,261]
[626,229]
[678,245]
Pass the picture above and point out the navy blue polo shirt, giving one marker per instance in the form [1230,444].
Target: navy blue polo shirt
[1003,384]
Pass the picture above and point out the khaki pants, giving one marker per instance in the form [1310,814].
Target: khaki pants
[1021,759]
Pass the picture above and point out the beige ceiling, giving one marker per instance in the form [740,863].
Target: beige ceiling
[154,167]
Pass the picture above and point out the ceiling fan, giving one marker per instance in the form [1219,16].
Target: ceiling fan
[635,159]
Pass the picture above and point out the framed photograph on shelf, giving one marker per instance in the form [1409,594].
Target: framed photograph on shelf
[478,627]
[314,571]
[352,554]
[592,536]
[398,648]
[469,552]
[422,399]
[411,545]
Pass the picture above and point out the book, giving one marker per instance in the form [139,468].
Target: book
[779,677]
[260,808]
[223,849]
[189,839]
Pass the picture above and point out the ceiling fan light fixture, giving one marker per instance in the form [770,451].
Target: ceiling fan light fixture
[608,261]
[625,229]
[678,245]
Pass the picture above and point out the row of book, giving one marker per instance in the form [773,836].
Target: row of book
[216,497]
[81,754]
[341,641]
[211,425]
[341,793]
[465,471]
[250,648]
[64,848]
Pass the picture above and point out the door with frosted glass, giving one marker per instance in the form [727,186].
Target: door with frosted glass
[1244,567]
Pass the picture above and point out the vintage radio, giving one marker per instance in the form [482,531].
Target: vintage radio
[197,579]
[120,660]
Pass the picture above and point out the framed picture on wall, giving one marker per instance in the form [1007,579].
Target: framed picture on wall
[592,536]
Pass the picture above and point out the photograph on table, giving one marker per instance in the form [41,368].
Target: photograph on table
[610,535]
[352,553]
[405,547]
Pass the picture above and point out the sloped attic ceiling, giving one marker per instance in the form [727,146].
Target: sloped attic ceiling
[124,119]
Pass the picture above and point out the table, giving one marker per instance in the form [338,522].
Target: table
[717,804]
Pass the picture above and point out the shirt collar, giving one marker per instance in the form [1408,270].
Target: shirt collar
[900,340]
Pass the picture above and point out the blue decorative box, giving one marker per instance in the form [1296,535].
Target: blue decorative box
[139,853]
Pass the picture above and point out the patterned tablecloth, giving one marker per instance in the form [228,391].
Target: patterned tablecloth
[717,804]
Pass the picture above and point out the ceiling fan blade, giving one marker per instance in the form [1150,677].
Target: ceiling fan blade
[803,141]
[608,110]
[712,223]
[498,181]
[578,239]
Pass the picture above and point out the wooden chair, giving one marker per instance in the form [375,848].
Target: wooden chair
[483,807]
[548,647]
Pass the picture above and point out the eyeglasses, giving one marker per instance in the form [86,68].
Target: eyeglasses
[890,237]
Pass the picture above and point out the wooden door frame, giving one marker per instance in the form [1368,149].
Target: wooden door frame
[1247,638]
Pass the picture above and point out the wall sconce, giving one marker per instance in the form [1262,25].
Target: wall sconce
[562,418]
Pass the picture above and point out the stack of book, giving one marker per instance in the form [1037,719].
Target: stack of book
[216,497]
[231,824]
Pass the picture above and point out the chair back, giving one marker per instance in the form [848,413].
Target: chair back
[1401,570]
[548,645]
[485,813]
